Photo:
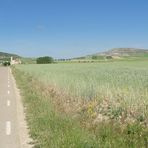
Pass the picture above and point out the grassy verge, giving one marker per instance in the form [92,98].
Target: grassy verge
[51,128]
[47,127]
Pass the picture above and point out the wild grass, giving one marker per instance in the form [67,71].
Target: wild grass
[47,127]
[105,101]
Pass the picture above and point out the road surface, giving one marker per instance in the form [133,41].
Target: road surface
[9,133]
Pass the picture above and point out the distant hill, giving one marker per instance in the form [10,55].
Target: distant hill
[117,54]
[124,52]
[7,55]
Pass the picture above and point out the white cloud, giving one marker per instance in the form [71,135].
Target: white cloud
[40,27]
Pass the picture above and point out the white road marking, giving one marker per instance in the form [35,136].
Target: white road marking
[8,128]
[8,103]
[8,85]
[8,92]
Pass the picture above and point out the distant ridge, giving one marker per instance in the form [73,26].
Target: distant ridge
[124,52]
[118,54]
[7,55]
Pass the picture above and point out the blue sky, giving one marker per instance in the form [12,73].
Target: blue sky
[71,28]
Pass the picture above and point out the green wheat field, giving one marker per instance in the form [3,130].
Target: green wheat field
[86,104]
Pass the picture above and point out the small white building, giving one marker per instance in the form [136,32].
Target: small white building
[15,61]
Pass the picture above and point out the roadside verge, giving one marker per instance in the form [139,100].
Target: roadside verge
[25,140]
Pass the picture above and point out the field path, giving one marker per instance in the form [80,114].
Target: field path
[13,129]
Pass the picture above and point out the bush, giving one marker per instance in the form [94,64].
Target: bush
[6,63]
[44,60]
[97,57]
[109,57]
[94,57]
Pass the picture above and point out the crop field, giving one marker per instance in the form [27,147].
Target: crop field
[95,93]
[114,82]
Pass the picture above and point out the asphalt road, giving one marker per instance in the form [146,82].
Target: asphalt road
[9,134]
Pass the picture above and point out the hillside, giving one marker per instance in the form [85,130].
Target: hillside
[124,52]
[116,54]
[7,55]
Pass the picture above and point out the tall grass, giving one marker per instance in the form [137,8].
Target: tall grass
[48,128]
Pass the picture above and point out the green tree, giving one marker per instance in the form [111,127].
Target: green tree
[44,60]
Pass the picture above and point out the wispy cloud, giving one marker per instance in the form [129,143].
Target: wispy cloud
[40,28]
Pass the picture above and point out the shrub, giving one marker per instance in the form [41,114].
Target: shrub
[44,60]
[109,57]
[6,63]
[95,57]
